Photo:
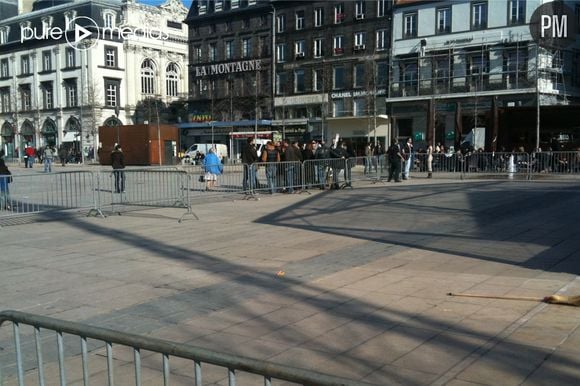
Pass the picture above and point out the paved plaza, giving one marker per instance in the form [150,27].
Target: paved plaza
[364,294]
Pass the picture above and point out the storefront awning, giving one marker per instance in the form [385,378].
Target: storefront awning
[71,136]
[246,123]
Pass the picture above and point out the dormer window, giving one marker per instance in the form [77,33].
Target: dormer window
[4,35]
[109,19]
[46,22]
[68,18]
[202,8]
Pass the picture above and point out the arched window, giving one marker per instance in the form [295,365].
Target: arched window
[72,125]
[49,132]
[148,77]
[7,130]
[27,131]
[113,122]
[172,79]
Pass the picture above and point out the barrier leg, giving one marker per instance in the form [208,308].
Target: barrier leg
[302,172]
[97,211]
[189,212]
[250,179]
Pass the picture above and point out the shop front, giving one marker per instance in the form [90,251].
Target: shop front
[359,131]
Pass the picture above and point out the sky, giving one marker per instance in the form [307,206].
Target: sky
[186,3]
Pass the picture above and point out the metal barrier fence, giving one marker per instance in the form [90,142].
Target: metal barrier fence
[156,187]
[493,163]
[30,352]
[50,192]
[556,162]
[182,186]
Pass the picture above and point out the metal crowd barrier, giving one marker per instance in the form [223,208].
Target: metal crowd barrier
[556,162]
[30,357]
[49,192]
[473,164]
[184,185]
[143,187]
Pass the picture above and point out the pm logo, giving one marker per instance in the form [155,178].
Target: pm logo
[553,25]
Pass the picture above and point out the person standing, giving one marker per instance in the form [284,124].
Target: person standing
[322,156]
[338,163]
[118,163]
[409,157]
[62,155]
[5,179]
[395,159]
[368,158]
[213,167]
[249,159]
[430,161]
[271,155]
[29,155]
[48,158]
[293,156]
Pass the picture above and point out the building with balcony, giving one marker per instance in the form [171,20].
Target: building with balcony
[230,70]
[129,62]
[332,69]
[316,68]
[457,64]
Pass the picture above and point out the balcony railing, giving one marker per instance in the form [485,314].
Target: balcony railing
[458,85]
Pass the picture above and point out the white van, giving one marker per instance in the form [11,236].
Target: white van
[203,148]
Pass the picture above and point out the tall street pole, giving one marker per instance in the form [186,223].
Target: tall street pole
[537,97]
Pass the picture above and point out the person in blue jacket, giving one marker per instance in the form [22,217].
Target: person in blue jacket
[213,167]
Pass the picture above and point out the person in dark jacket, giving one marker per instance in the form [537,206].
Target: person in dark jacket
[271,156]
[293,155]
[249,159]
[118,163]
[338,164]
[5,179]
[322,156]
[395,159]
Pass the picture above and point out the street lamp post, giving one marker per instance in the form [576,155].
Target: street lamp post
[158,131]
[256,107]
[117,123]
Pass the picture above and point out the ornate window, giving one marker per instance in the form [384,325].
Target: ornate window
[148,77]
[172,79]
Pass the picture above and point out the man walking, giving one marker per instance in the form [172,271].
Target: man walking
[30,155]
[118,163]
[48,158]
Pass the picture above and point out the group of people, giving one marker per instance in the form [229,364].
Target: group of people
[401,158]
[47,154]
[281,162]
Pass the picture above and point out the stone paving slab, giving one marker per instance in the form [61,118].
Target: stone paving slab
[364,291]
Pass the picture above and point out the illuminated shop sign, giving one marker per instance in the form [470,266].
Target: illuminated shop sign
[228,68]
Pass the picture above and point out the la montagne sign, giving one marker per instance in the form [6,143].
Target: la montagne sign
[228,68]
